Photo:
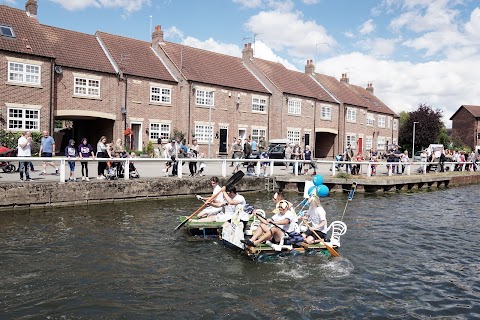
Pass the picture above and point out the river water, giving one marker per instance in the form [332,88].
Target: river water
[405,255]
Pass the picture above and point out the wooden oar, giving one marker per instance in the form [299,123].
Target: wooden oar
[233,179]
[330,249]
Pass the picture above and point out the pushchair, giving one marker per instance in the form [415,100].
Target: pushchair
[133,171]
[6,165]
[338,157]
[114,171]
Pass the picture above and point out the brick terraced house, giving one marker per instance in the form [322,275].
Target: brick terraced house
[466,125]
[105,83]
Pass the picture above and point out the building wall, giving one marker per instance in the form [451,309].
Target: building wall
[27,96]
[464,128]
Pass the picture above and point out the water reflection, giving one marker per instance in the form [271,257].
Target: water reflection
[408,255]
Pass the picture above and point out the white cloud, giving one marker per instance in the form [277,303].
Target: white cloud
[128,6]
[379,47]
[367,27]
[403,85]
[290,33]
[212,45]
[249,3]
[174,32]
[349,34]
[310,1]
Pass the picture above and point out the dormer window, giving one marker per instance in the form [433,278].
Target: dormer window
[7,31]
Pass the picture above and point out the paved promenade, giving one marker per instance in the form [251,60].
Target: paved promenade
[153,168]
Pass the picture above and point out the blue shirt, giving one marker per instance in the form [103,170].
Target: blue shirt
[47,144]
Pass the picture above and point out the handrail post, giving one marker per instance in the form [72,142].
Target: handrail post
[224,168]
[334,166]
[126,169]
[295,170]
[62,170]
[179,168]
[272,164]
[369,170]
[257,168]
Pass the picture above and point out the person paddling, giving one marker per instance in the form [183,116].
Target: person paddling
[317,222]
[215,206]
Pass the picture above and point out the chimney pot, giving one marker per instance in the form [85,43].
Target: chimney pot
[31,7]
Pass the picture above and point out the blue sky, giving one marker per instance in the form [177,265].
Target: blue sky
[413,51]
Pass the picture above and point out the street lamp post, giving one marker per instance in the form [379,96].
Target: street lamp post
[413,144]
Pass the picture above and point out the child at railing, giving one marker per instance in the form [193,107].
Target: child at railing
[202,165]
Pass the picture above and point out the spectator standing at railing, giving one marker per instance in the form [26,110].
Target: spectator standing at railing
[237,154]
[348,156]
[254,145]
[71,152]
[193,154]
[297,155]
[231,149]
[404,160]
[262,145]
[24,150]
[85,150]
[102,153]
[307,155]
[247,148]
[47,150]
[288,155]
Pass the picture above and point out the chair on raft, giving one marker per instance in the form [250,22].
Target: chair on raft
[337,229]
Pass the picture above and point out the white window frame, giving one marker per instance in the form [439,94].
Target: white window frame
[202,133]
[368,143]
[389,122]
[3,31]
[162,95]
[294,107]
[370,120]
[326,112]
[159,129]
[351,139]
[259,104]
[24,73]
[381,121]
[381,143]
[395,124]
[293,135]
[204,98]
[351,115]
[25,119]
[90,87]
[257,133]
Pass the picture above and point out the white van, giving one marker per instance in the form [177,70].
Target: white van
[436,149]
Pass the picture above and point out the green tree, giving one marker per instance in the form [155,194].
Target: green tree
[427,129]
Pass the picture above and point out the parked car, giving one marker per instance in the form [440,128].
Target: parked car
[276,149]
[417,157]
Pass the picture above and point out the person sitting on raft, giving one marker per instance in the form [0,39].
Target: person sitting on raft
[215,206]
[317,222]
[277,197]
[232,198]
[268,232]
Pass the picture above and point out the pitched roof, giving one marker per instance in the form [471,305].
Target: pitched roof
[292,82]
[474,110]
[135,57]
[212,68]
[340,90]
[29,37]
[373,103]
[77,50]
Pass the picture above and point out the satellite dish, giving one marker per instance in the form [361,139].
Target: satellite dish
[58,70]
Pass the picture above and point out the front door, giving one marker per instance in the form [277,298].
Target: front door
[222,147]
[307,138]
[136,143]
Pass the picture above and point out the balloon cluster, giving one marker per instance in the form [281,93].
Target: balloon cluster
[318,187]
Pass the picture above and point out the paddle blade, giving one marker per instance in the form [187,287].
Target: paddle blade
[332,251]
[235,178]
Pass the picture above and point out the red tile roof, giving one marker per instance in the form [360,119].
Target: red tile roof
[212,68]
[374,104]
[474,110]
[77,50]
[340,90]
[29,37]
[292,82]
[135,57]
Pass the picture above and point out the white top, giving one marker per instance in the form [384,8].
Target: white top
[290,215]
[316,216]
[26,150]
[230,208]
[219,197]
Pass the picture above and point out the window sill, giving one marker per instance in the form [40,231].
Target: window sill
[159,104]
[28,85]
[87,97]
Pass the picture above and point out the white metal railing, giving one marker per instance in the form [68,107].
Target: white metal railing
[323,166]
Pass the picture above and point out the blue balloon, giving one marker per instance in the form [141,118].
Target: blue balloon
[311,190]
[317,180]
[322,190]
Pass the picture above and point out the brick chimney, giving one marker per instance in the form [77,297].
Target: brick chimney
[247,52]
[369,87]
[344,78]
[309,67]
[31,8]
[157,35]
